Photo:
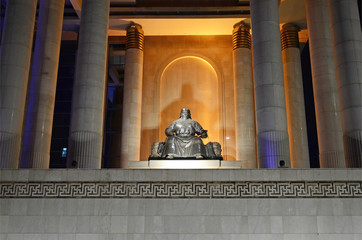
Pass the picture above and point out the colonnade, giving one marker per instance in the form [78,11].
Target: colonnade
[132,96]
[327,108]
[244,97]
[43,82]
[270,115]
[86,131]
[294,97]
[15,55]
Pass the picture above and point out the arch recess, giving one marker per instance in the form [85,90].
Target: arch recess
[193,82]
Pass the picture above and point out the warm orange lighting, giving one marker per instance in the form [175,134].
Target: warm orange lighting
[192,82]
[187,57]
[177,26]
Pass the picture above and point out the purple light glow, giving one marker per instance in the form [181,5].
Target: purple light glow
[33,96]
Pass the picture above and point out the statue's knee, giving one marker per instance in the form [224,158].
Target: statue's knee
[156,150]
[213,150]
[217,149]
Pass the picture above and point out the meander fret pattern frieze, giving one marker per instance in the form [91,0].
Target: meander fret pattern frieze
[278,189]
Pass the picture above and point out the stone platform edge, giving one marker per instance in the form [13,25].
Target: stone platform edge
[165,175]
[200,183]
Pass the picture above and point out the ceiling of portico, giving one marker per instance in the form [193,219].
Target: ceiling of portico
[185,26]
[183,17]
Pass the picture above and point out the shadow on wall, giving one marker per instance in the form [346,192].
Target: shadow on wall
[199,111]
[193,83]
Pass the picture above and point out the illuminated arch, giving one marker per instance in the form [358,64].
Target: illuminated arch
[177,76]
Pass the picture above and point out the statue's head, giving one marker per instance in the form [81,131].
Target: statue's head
[185,113]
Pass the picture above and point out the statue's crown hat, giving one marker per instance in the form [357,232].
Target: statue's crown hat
[185,110]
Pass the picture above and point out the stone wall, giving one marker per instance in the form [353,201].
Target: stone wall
[181,204]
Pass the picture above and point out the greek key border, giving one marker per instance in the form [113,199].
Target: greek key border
[276,189]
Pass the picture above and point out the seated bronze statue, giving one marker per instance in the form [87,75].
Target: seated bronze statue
[184,141]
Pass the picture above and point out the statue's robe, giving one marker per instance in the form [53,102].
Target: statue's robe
[184,143]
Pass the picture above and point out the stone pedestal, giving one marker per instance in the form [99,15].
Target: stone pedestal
[86,134]
[271,120]
[294,96]
[329,127]
[39,117]
[244,96]
[17,41]
[185,164]
[347,43]
[132,97]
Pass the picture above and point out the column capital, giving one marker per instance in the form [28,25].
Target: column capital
[289,36]
[135,37]
[243,25]
[241,35]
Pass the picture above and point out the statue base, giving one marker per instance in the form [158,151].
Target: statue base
[185,164]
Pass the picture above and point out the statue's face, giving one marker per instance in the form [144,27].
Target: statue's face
[185,114]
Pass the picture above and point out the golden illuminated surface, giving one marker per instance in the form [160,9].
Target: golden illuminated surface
[190,82]
[199,61]
[174,26]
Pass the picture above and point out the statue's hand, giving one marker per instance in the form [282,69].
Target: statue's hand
[168,132]
[204,134]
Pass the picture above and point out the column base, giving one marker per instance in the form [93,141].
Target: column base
[273,150]
[353,149]
[35,160]
[333,159]
[85,150]
[9,150]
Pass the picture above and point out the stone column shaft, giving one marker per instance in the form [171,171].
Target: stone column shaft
[293,82]
[132,97]
[244,96]
[39,117]
[347,43]
[86,134]
[271,120]
[17,41]
[329,127]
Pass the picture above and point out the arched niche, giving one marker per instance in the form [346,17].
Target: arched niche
[192,82]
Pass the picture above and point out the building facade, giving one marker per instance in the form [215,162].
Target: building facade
[238,65]
[88,85]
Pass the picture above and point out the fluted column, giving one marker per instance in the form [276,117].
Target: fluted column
[271,120]
[244,96]
[329,126]
[17,41]
[39,117]
[294,96]
[347,43]
[86,133]
[132,96]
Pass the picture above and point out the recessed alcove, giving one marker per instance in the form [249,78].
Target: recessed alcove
[193,72]
[191,82]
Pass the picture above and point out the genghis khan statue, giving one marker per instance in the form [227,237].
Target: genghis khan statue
[184,141]
[183,138]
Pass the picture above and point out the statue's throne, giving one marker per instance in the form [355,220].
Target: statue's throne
[213,151]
